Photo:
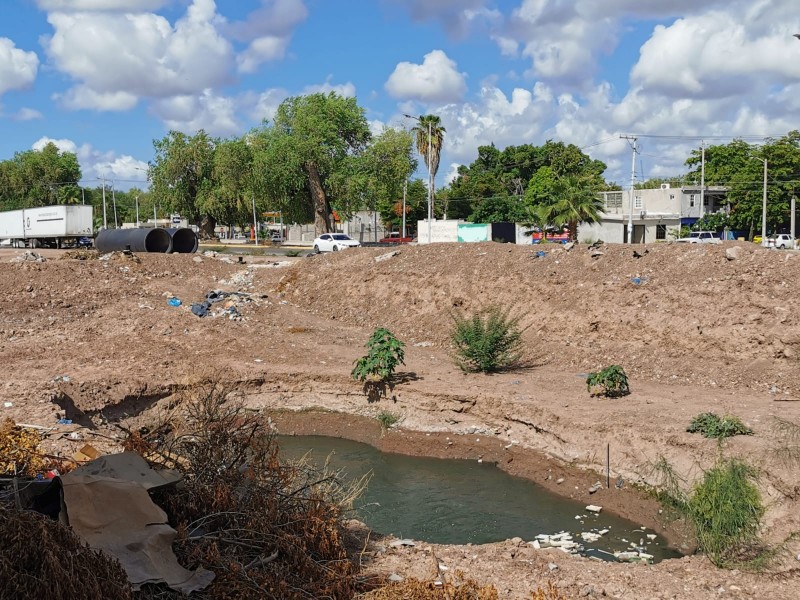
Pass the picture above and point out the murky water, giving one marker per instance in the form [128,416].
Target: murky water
[447,501]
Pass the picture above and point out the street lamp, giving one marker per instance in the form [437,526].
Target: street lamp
[430,173]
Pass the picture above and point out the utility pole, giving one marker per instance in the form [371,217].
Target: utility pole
[255,219]
[702,178]
[405,191]
[764,209]
[105,220]
[633,180]
[114,202]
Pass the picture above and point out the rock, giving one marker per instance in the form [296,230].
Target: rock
[395,578]
[386,256]
[401,543]
[197,259]
[568,246]
[588,590]
[595,487]
[733,253]
[560,480]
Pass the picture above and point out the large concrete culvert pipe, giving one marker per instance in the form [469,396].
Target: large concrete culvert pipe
[135,240]
[184,240]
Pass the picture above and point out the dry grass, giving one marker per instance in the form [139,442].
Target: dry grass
[42,558]
[19,450]
[266,529]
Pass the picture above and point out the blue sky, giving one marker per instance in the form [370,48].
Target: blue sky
[104,78]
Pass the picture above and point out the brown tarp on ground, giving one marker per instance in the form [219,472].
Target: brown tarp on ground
[108,506]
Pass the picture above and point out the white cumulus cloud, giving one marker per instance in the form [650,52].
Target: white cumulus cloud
[437,79]
[139,54]
[215,114]
[100,5]
[18,68]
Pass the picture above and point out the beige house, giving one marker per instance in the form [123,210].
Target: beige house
[657,214]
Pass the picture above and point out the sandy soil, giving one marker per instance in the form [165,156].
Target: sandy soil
[95,341]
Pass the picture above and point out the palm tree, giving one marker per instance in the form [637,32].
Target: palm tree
[432,124]
[574,201]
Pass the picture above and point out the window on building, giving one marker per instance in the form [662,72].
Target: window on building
[705,200]
[637,202]
[661,232]
[691,199]
[613,200]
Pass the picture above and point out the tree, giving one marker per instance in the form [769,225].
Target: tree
[40,178]
[382,172]
[574,201]
[430,148]
[304,157]
[181,176]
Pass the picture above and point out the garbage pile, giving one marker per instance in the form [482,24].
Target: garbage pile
[218,303]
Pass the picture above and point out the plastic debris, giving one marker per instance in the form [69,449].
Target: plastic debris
[174,301]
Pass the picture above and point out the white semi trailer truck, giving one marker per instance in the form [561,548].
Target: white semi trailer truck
[46,226]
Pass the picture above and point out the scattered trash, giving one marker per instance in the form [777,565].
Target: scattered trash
[64,421]
[8,404]
[174,301]
[387,256]
[569,246]
[108,506]
[540,254]
[595,487]
[593,508]
[87,453]
[595,253]
[29,256]
[400,543]
[64,378]
[639,280]
[231,301]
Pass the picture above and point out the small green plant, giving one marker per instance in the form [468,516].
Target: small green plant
[489,341]
[293,253]
[714,426]
[611,382]
[726,511]
[387,419]
[385,354]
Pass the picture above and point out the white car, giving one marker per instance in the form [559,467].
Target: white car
[780,240]
[701,237]
[333,242]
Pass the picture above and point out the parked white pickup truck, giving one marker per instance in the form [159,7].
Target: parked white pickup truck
[701,237]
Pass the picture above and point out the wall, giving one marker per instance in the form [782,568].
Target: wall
[441,231]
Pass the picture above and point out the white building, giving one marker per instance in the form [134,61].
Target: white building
[657,214]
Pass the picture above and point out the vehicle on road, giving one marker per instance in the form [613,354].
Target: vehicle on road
[781,240]
[395,238]
[701,237]
[333,242]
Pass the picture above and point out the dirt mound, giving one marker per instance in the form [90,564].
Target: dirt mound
[683,313]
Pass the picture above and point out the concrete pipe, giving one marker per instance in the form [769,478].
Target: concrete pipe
[184,240]
[135,240]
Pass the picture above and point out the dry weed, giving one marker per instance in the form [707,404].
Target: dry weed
[19,450]
[42,558]
[267,529]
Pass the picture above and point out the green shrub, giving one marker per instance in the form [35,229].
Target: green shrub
[726,511]
[387,419]
[489,341]
[385,354]
[713,426]
[611,382]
